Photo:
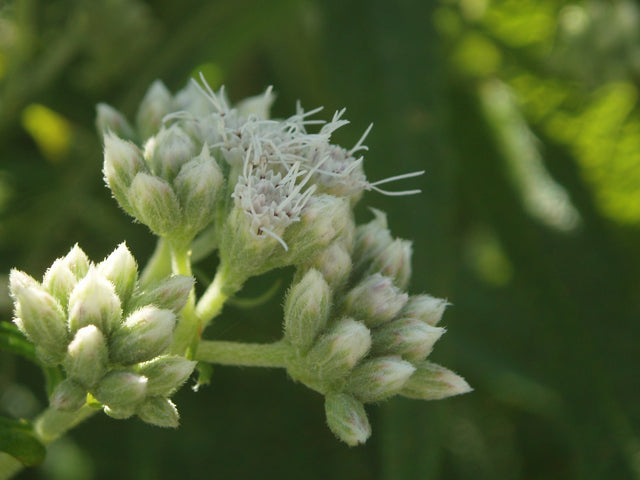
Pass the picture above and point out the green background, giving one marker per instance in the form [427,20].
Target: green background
[524,115]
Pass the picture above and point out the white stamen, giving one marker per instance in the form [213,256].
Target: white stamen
[273,235]
[359,146]
[398,177]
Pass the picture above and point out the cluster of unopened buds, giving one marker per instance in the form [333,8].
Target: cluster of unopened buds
[204,176]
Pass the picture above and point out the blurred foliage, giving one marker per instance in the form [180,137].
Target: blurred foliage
[524,114]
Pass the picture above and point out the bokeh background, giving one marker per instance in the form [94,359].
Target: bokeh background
[525,116]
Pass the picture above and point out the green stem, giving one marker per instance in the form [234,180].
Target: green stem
[49,425]
[189,326]
[159,265]
[244,354]
[224,285]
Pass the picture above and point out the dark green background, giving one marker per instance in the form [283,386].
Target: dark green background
[545,318]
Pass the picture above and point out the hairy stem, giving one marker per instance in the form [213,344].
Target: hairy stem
[244,354]
[189,325]
[159,265]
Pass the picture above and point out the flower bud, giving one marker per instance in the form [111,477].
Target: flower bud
[197,186]
[394,261]
[60,281]
[145,334]
[155,204]
[338,351]
[375,300]
[371,239]
[170,293]
[121,269]
[40,317]
[122,162]
[379,378]
[120,413]
[259,105]
[94,302]
[68,396]
[306,309]
[77,261]
[334,263]
[166,374]
[156,103]
[121,389]
[168,151]
[347,418]
[425,308]
[407,337]
[18,280]
[159,411]
[87,356]
[321,220]
[108,119]
[433,382]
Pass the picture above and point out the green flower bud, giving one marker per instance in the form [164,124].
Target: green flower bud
[371,239]
[197,186]
[259,105]
[433,382]
[156,103]
[394,261]
[168,151]
[87,356]
[379,378]
[121,389]
[408,337]
[94,302]
[338,351]
[425,308]
[322,220]
[347,418]
[121,269]
[334,263]
[170,293]
[68,396]
[39,316]
[108,119]
[120,413]
[155,204]
[375,300]
[122,162]
[77,261]
[166,374]
[159,411]
[145,334]
[306,310]
[60,281]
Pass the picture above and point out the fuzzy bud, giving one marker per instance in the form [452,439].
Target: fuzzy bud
[394,261]
[94,302]
[77,261]
[375,300]
[197,186]
[122,162]
[347,418]
[121,389]
[166,374]
[259,105]
[121,269]
[338,351]
[407,337]
[159,411]
[433,382]
[370,239]
[170,293]
[168,151]
[60,281]
[145,334]
[379,378]
[334,263]
[68,396]
[155,204]
[108,119]
[87,356]
[425,308]
[39,316]
[306,309]
[156,103]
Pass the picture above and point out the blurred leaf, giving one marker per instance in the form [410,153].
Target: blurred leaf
[18,440]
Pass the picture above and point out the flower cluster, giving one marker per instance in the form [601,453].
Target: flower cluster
[109,333]
[358,338]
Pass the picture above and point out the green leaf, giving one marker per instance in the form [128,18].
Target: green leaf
[18,440]
[14,341]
